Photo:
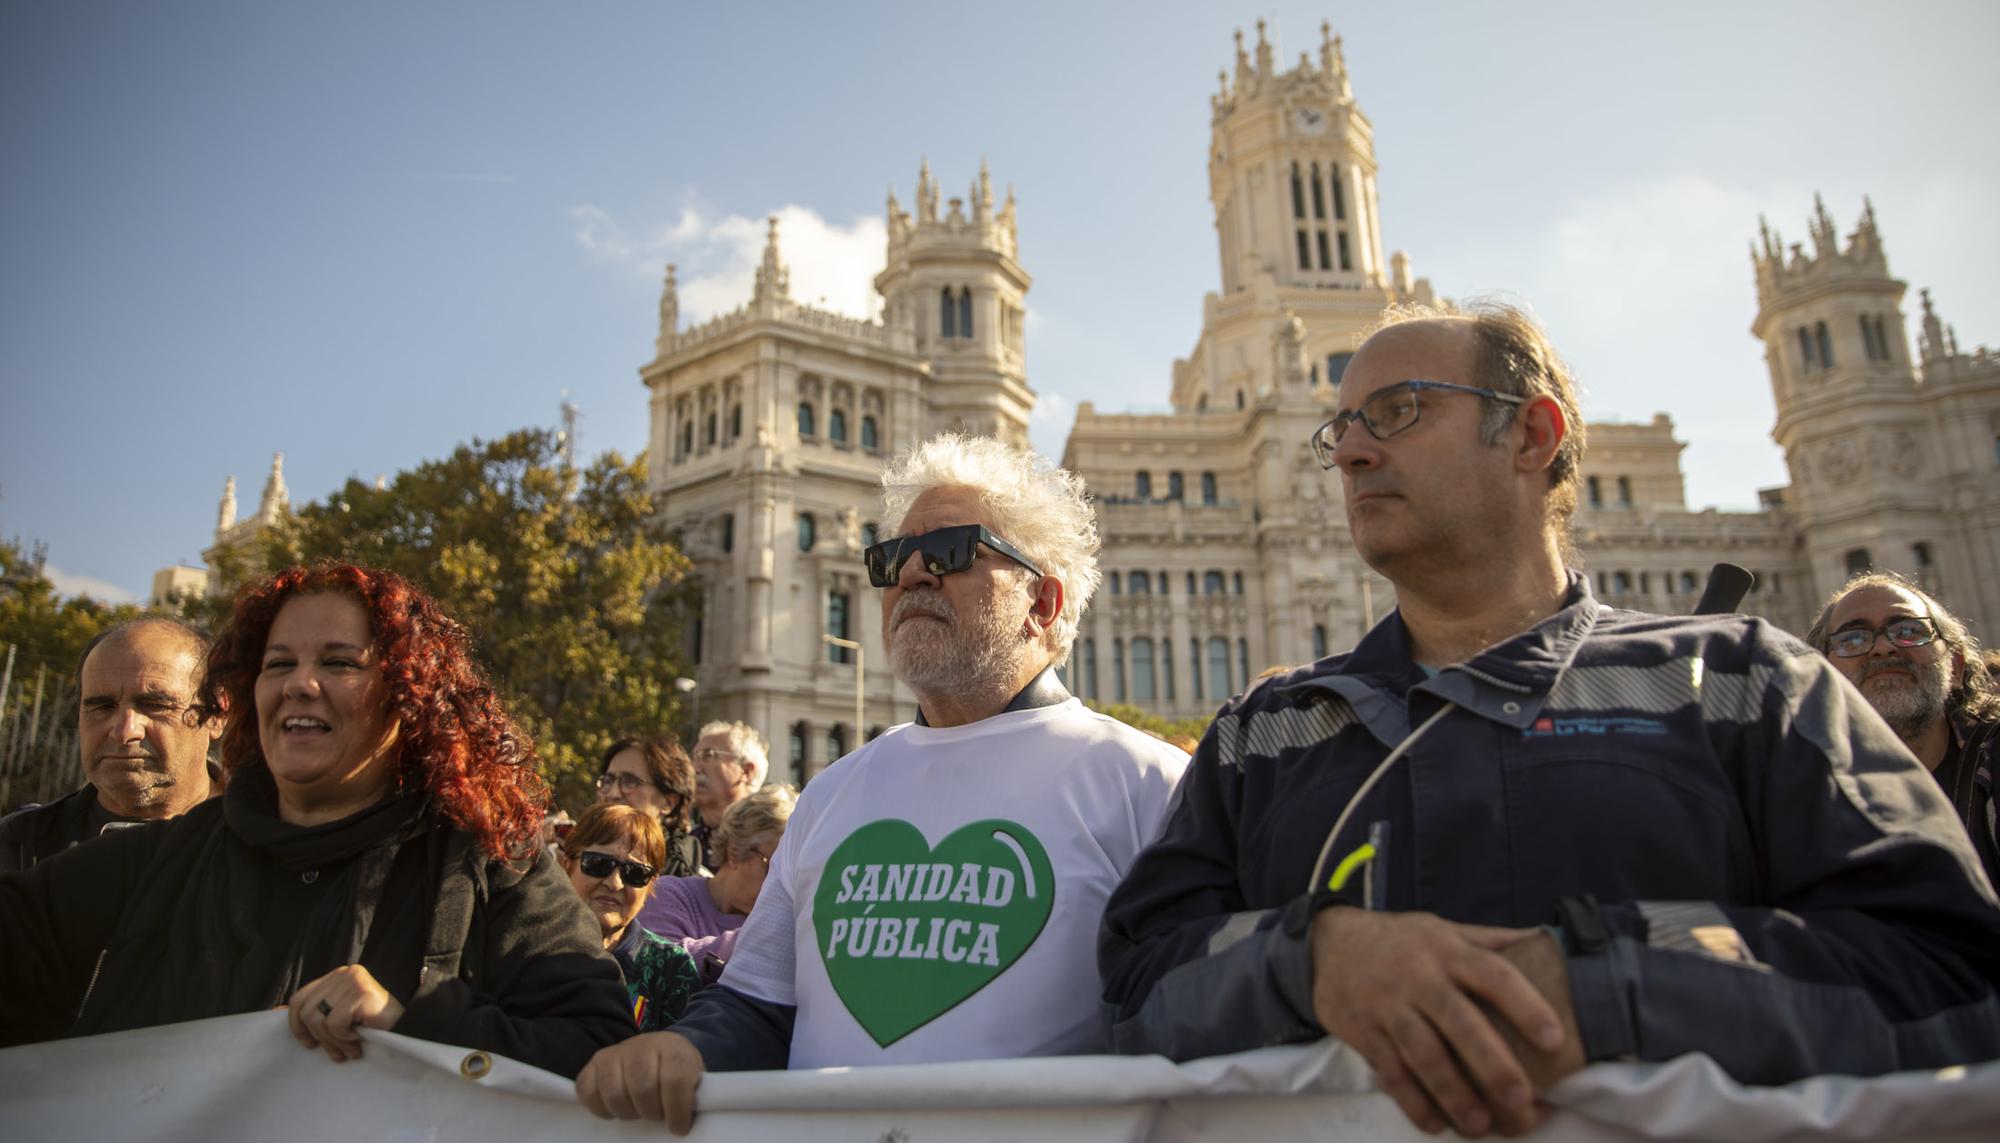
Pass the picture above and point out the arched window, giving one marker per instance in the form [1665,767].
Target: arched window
[1298,194]
[1089,679]
[1142,670]
[1319,195]
[1825,346]
[1174,486]
[1218,667]
[687,437]
[1243,662]
[1208,488]
[870,440]
[836,743]
[1140,583]
[1336,365]
[808,531]
[947,316]
[807,424]
[1118,670]
[1167,669]
[1858,561]
[1236,583]
[726,532]
[1687,583]
[965,311]
[735,421]
[708,431]
[1624,492]
[1111,581]
[1212,583]
[1190,585]
[1194,667]
[1142,485]
[797,745]
[1621,583]
[836,426]
[1319,641]
[1163,583]
[1595,492]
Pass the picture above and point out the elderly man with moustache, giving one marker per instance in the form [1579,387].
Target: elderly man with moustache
[1514,830]
[937,894]
[145,753]
[1922,671]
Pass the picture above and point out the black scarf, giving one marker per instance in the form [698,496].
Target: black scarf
[213,947]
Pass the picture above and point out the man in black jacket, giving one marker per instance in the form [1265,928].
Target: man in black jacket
[1514,831]
[1921,670]
[145,754]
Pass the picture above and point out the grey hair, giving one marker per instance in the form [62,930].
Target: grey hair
[1973,693]
[751,819]
[1033,504]
[748,745]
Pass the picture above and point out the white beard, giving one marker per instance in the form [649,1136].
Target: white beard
[954,654]
[1912,704]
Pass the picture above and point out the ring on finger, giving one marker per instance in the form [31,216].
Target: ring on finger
[325,1009]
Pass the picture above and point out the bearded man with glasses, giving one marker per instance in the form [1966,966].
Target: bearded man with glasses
[1514,831]
[1922,671]
[936,895]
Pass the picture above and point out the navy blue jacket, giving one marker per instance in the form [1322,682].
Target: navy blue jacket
[1782,886]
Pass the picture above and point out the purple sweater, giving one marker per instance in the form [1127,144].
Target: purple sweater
[681,910]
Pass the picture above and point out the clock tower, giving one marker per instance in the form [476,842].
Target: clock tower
[1291,173]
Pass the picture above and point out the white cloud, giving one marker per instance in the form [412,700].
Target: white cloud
[832,266]
[98,589]
[1649,292]
[1049,424]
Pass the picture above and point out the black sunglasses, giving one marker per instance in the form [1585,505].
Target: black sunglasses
[945,550]
[635,874]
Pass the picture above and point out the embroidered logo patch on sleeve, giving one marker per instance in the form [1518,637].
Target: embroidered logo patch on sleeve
[908,932]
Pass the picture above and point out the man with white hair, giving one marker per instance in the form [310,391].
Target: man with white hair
[937,894]
[731,761]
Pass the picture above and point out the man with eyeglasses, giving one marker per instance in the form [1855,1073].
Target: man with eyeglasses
[731,760]
[936,895]
[1922,671]
[1514,831]
[145,754]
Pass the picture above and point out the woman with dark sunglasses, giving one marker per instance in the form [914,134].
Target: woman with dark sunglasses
[612,858]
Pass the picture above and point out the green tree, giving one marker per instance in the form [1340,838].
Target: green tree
[1168,728]
[38,756]
[574,595]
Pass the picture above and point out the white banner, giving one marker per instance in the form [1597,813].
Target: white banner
[244,1077]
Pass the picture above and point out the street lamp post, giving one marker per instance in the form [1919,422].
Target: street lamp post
[688,686]
[860,681]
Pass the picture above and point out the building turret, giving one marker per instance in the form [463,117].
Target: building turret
[225,518]
[670,312]
[953,282]
[276,501]
[1292,174]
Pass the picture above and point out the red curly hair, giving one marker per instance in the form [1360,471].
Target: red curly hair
[456,742]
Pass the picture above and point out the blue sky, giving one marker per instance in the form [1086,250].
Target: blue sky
[361,233]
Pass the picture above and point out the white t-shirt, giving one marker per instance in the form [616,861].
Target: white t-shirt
[937,893]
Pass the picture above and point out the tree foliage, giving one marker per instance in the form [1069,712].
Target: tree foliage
[573,594]
[1167,728]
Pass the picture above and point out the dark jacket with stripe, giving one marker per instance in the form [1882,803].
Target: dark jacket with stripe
[1782,886]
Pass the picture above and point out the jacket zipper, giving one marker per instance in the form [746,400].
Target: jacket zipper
[92,986]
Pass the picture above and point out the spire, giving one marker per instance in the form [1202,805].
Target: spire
[1932,343]
[1263,51]
[982,196]
[1825,242]
[773,280]
[1326,48]
[927,194]
[225,519]
[1340,70]
[670,307]
[275,500]
[1242,62]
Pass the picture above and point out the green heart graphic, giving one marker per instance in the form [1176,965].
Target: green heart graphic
[908,932]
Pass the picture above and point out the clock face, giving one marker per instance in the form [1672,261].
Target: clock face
[1309,120]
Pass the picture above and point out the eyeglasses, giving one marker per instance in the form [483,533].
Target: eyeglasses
[945,551]
[715,754]
[1390,410]
[1854,642]
[635,874]
[625,784]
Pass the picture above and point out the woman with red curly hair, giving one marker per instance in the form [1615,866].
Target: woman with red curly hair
[373,863]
